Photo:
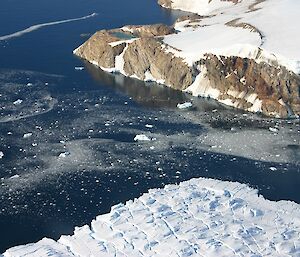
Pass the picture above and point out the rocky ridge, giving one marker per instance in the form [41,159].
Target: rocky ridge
[244,83]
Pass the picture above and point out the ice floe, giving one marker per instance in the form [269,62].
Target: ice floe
[17,102]
[64,154]
[142,138]
[185,105]
[27,135]
[79,68]
[199,217]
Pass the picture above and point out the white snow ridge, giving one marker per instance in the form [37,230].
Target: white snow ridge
[200,217]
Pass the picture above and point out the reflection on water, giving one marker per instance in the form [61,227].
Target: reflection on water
[148,94]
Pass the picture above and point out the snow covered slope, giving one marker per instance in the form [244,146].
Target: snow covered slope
[237,29]
[200,217]
[202,7]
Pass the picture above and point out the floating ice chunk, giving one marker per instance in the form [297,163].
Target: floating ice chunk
[148,126]
[142,138]
[79,68]
[273,168]
[27,135]
[1,154]
[17,102]
[185,105]
[273,129]
[15,176]
[29,84]
[64,155]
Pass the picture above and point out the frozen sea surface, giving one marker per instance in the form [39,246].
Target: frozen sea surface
[200,217]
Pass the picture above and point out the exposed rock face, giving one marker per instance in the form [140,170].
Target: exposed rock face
[150,30]
[165,3]
[138,51]
[98,50]
[147,55]
[243,81]
[190,17]
[142,56]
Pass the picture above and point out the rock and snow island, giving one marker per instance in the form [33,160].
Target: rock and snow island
[243,53]
[200,217]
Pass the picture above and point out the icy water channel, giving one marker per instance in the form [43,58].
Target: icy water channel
[67,135]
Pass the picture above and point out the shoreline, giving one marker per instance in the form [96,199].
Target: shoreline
[242,73]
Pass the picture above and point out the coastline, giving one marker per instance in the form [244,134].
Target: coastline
[223,197]
[240,72]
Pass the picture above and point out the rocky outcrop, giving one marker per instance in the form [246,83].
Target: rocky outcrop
[143,58]
[149,30]
[165,3]
[99,50]
[248,84]
[146,56]
[243,83]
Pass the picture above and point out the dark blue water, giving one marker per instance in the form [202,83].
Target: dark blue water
[92,117]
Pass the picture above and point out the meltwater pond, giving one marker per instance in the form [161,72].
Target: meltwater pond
[67,135]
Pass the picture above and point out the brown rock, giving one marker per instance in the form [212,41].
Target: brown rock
[147,55]
[165,3]
[97,49]
[151,30]
[276,87]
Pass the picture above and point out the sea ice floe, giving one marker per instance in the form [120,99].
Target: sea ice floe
[1,154]
[15,176]
[17,102]
[185,105]
[79,68]
[273,129]
[199,217]
[142,138]
[27,135]
[64,154]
